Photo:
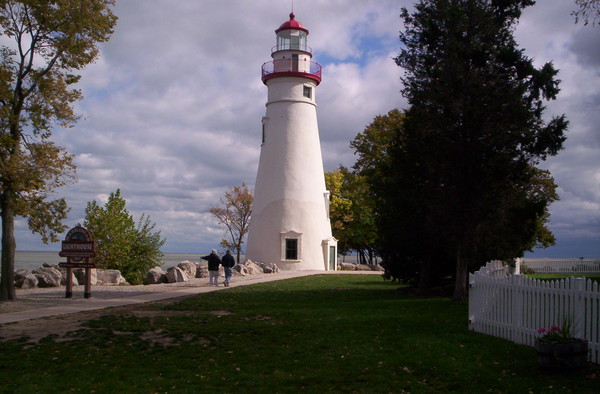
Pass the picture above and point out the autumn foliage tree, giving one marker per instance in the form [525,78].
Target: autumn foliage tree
[234,213]
[44,43]
[340,214]
[351,212]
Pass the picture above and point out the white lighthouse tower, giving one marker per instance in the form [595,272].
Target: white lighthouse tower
[290,217]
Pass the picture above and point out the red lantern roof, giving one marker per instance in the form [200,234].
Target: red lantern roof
[292,24]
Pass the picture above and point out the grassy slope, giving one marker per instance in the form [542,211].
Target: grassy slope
[593,277]
[340,333]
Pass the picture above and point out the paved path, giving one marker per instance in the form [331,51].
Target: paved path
[39,303]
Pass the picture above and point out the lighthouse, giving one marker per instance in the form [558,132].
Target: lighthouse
[290,216]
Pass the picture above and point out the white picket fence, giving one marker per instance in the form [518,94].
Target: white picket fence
[514,307]
[579,266]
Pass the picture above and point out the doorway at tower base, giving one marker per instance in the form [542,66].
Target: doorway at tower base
[330,253]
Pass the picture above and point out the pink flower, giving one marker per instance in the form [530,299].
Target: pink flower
[541,330]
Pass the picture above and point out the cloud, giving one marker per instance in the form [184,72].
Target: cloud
[173,105]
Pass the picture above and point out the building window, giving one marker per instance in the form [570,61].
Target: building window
[291,248]
[265,120]
[308,92]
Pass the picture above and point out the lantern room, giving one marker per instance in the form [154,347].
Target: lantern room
[291,56]
[291,35]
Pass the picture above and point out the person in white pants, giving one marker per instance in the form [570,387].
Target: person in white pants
[213,267]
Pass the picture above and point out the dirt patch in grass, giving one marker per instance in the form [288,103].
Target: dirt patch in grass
[63,326]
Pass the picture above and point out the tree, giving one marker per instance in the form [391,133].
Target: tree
[362,233]
[340,214]
[395,212]
[373,145]
[351,210]
[120,243]
[474,130]
[44,43]
[369,181]
[235,213]
[589,11]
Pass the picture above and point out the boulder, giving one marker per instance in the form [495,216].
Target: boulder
[63,280]
[240,269]
[363,267]
[253,268]
[47,276]
[155,276]
[80,275]
[377,267]
[25,279]
[346,267]
[110,277]
[176,275]
[269,268]
[189,268]
[201,270]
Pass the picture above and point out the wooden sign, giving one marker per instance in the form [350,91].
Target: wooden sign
[76,265]
[78,247]
[78,244]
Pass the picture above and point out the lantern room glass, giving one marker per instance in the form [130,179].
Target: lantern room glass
[291,40]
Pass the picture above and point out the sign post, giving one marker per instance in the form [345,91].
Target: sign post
[78,247]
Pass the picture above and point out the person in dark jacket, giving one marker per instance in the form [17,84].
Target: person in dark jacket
[228,261]
[213,267]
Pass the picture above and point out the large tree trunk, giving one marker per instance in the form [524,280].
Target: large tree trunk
[7,283]
[460,280]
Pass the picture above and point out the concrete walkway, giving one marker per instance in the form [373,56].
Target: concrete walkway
[40,303]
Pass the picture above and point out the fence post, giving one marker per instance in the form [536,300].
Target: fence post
[579,308]
[516,289]
[518,266]
[472,300]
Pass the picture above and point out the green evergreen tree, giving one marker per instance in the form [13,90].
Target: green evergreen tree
[465,159]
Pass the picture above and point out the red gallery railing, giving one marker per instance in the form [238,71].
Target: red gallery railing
[291,68]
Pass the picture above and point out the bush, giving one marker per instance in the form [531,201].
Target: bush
[120,244]
[525,270]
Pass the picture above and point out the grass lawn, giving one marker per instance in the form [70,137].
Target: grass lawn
[336,333]
[594,277]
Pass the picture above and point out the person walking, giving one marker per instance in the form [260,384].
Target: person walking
[213,267]
[228,261]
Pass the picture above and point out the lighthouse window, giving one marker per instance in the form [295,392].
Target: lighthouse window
[308,92]
[265,120]
[291,248]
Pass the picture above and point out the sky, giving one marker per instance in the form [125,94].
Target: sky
[172,107]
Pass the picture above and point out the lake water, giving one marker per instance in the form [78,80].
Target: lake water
[33,260]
